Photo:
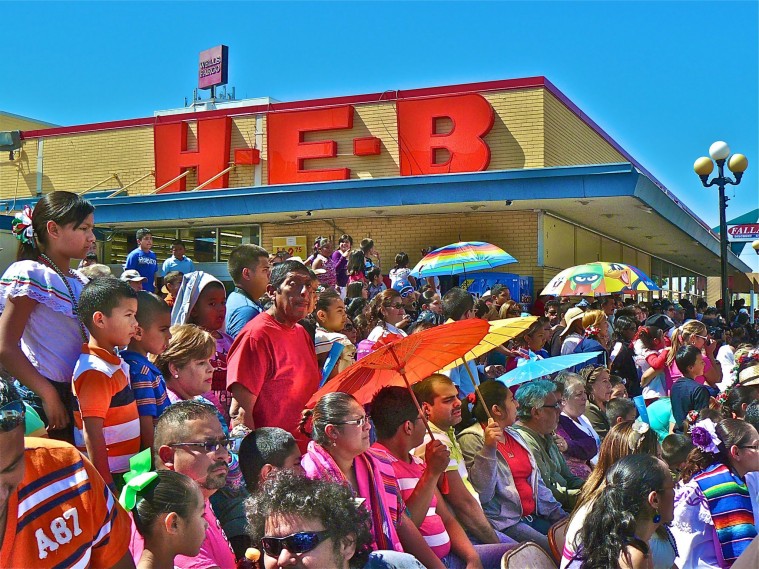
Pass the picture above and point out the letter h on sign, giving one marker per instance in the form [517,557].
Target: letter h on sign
[212,156]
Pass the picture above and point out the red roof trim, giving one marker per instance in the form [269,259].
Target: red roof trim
[389,95]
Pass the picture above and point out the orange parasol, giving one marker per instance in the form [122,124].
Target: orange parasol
[406,361]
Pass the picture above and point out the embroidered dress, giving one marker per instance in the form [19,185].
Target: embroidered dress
[713,519]
[53,360]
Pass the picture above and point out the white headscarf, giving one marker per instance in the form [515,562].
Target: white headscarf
[189,291]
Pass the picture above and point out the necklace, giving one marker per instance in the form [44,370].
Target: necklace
[74,304]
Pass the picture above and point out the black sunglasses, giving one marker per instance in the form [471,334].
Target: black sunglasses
[301,542]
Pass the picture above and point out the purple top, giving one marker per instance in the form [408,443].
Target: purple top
[579,444]
[340,264]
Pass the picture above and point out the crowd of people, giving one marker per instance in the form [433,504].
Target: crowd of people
[171,429]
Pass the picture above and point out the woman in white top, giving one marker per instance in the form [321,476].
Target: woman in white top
[387,315]
[41,334]
[623,439]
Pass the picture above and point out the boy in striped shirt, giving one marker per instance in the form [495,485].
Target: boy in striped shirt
[107,425]
[399,430]
[152,337]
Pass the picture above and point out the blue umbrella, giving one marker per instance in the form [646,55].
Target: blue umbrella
[534,369]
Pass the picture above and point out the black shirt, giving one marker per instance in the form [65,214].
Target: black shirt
[687,395]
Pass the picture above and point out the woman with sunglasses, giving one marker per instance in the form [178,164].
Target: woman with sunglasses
[714,521]
[308,523]
[339,452]
[624,439]
[636,500]
[387,315]
[695,333]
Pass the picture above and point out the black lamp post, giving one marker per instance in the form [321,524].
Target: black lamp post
[719,151]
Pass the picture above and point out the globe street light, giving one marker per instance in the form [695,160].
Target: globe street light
[719,151]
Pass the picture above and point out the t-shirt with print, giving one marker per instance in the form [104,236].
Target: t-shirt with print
[147,383]
[277,364]
[456,464]
[144,263]
[408,474]
[101,389]
[62,514]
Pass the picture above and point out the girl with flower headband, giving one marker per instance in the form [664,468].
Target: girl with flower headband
[167,509]
[41,334]
[714,521]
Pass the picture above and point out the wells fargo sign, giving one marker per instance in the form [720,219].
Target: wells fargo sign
[421,146]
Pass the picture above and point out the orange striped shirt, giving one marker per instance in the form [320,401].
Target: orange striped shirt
[62,515]
[101,386]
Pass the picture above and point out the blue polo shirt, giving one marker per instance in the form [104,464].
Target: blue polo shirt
[172,264]
[144,263]
[241,309]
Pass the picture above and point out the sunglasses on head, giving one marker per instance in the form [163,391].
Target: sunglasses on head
[296,543]
[11,416]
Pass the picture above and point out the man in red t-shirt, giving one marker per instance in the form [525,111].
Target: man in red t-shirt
[271,369]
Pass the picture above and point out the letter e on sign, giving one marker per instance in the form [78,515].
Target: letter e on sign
[472,118]
[288,150]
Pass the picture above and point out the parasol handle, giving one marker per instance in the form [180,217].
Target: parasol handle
[477,389]
[444,479]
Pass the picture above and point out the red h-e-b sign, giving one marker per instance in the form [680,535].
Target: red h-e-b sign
[471,117]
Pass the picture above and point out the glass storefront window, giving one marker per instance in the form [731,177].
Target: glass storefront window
[203,244]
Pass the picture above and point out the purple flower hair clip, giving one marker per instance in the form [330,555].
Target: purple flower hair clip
[704,436]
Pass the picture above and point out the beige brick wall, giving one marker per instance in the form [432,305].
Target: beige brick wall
[515,232]
[569,141]
[532,129]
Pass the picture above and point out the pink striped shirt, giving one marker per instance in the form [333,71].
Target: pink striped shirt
[408,474]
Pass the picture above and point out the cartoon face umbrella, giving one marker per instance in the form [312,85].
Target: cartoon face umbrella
[462,257]
[598,279]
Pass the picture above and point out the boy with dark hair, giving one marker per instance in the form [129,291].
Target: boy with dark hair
[686,394]
[400,430]
[250,269]
[152,337]
[107,425]
[178,260]
[266,451]
[620,409]
[674,450]
[143,259]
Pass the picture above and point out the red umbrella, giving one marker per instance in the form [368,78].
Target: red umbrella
[406,361]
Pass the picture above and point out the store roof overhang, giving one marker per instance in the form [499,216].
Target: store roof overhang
[615,200]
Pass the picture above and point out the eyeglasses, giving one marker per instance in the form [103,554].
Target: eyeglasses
[752,447]
[702,337]
[301,542]
[552,313]
[358,422]
[396,306]
[556,406]
[12,415]
[208,446]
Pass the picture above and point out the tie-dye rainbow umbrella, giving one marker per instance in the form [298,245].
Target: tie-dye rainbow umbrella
[462,257]
[598,279]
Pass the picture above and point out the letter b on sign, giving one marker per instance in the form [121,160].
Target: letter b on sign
[471,117]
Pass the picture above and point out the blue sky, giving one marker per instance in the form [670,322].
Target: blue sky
[665,79]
